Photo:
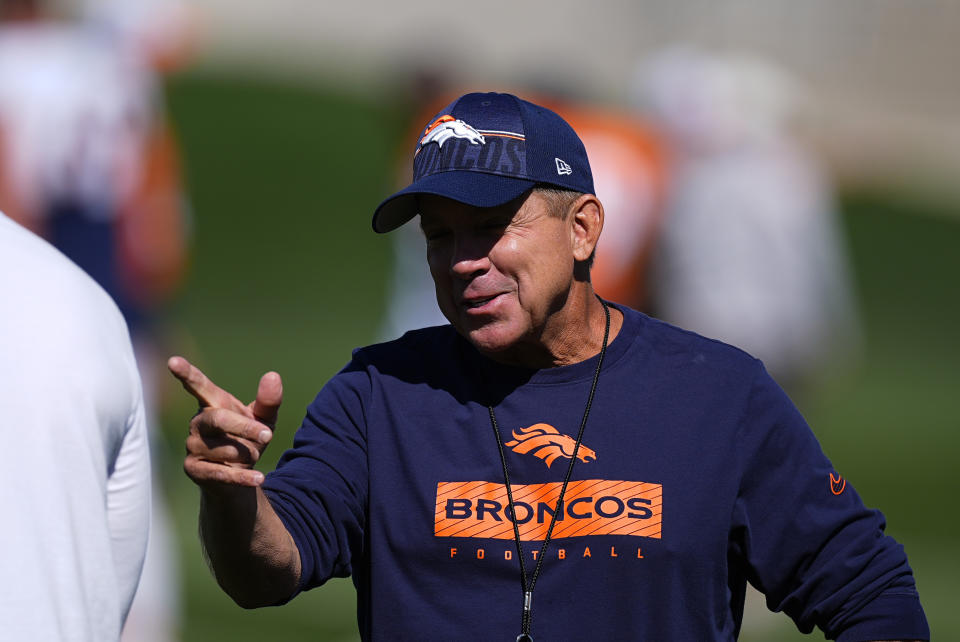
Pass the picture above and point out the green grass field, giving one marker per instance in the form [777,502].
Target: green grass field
[287,275]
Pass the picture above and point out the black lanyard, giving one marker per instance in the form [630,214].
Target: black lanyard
[526,587]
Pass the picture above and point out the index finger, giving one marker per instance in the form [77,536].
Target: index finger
[201,387]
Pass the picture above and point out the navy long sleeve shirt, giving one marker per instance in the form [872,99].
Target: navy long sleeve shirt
[696,474]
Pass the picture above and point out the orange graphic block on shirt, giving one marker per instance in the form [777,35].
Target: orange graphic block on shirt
[590,507]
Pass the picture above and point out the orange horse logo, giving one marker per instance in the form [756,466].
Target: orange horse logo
[447,127]
[546,442]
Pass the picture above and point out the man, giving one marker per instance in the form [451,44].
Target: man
[546,453]
[75,491]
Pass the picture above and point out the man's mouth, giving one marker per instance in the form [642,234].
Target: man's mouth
[479,302]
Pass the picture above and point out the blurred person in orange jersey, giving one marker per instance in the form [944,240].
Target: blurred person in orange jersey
[751,251]
[88,160]
[628,162]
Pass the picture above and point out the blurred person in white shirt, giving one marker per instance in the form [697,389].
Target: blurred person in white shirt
[76,491]
[88,161]
[751,251]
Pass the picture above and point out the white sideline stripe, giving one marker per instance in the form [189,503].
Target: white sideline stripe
[494,131]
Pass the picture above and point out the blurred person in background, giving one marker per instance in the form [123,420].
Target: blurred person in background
[751,251]
[628,161]
[75,490]
[88,161]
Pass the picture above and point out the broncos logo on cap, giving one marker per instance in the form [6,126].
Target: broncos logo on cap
[446,127]
[546,442]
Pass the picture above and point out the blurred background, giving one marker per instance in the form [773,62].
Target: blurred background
[781,175]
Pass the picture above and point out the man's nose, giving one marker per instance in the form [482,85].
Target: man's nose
[469,256]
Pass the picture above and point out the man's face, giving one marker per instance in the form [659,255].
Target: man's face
[500,273]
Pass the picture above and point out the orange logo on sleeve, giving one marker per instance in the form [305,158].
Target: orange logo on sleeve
[837,484]
[547,443]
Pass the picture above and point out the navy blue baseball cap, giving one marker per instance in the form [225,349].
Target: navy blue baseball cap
[486,150]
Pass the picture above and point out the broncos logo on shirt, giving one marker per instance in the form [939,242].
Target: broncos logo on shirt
[547,443]
[446,127]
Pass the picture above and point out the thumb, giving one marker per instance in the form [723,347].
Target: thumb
[266,406]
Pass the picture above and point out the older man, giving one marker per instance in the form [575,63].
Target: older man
[546,448]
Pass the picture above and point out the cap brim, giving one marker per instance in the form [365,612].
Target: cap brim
[473,188]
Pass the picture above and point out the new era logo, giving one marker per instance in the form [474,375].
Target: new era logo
[562,167]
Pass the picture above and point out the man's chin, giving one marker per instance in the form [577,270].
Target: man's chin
[496,343]
[490,338]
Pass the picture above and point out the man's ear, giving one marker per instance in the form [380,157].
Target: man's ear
[586,223]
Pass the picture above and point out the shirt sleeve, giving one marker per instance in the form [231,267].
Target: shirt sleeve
[128,500]
[319,488]
[806,538]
